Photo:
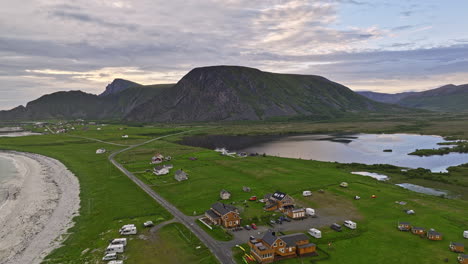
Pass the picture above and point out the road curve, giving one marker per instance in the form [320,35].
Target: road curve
[222,253]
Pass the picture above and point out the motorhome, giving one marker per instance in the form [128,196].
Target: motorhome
[306,193]
[115,262]
[115,249]
[126,227]
[350,224]
[465,234]
[129,231]
[310,211]
[315,233]
[119,241]
[110,256]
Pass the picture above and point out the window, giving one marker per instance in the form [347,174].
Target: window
[274,245]
[281,243]
[281,250]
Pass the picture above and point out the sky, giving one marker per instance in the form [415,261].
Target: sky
[379,45]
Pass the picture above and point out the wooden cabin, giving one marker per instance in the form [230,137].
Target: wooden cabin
[433,235]
[418,230]
[224,214]
[457,247]
[272,248]
[278,201]
[404,226]
[299,213]
[463,259]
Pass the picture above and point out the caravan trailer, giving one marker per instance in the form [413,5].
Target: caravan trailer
[115,249]
[119,241]
[350,224]
[310,212]
[465,234]
[306,193]
[129,231]
[315,233]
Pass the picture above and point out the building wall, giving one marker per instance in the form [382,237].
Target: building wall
[231,219]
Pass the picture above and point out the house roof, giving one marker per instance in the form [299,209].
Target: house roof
[278,195]
[180,173]
[223,208]
[224,191]
[418,228]
[457,244]
[212,214]
[159,167]
[270,237]
[292,239]
[307,245]
[433,233]
[464,256]
[404,223]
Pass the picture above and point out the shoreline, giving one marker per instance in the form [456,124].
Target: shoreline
[42,201]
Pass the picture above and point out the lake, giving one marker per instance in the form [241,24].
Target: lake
[358,148]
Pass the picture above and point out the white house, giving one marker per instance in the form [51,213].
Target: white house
[157,158]
[225,195]
[161,170]
[180,175]
[100,151]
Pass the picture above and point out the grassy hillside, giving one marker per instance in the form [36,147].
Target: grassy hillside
[448,103]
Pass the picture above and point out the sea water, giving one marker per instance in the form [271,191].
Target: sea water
[7,172]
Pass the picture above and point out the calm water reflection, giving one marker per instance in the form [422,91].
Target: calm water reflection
[362,148]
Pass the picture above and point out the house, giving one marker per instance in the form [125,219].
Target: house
[433,235]
[404,226]
[457,247]
[157,158]
[298,213]
[180,175]
[272,248]
[418,231]
[100,151]
[278,201]
[246,189]
[462,259]
[224,214]
[225,195]
[161,170]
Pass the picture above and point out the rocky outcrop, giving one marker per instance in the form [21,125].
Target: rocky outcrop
[117,86]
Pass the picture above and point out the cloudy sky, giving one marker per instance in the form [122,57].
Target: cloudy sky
[380,45]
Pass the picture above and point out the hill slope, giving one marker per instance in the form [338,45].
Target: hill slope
[241,93]
[448,98]
[78,104]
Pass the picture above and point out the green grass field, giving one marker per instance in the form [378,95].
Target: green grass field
[376,240]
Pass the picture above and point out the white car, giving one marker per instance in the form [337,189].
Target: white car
[110,256]
[148,224]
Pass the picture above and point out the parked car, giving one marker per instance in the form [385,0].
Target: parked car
[285,218]
[279,221]
[254,226]
[247,227]
[110,256]
[116,262]
[272,222]
[148,224]
[336,227]
[253,198]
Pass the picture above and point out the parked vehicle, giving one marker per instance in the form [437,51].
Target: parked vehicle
[310,211]
[253,198]
[115,249]
[465,234]
[119,241]
[279,221]
[336,227]
[272,222]
[285,218]
[350,224]
[247,227]
[110,256]
[148,224]
[315,233]
[126,227]
[129,231]
[115,262]
[306,193]
[254,226]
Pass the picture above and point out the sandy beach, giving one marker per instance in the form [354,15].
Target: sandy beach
[41,202]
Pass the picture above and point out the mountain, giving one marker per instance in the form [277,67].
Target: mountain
[117,86]
[78,104]
[448,98]
[240,93]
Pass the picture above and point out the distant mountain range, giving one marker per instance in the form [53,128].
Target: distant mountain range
[448,98]
[206,94]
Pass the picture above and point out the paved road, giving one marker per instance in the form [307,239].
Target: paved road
[219,249]
[98,140]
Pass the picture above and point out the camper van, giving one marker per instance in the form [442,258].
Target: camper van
[310,211]
[129,231]
[350,224]
[115,249]
[306,193]
[115,262]
[465,234]
[119,241]
[315,233]
[110,256]
[126,227]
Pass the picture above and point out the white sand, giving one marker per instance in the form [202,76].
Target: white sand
[42,201]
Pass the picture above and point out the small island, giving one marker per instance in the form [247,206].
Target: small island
[387,150]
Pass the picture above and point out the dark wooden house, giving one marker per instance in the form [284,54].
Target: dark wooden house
[457,247]
[224,214]
[434,235]
[418,231]
[404,226]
